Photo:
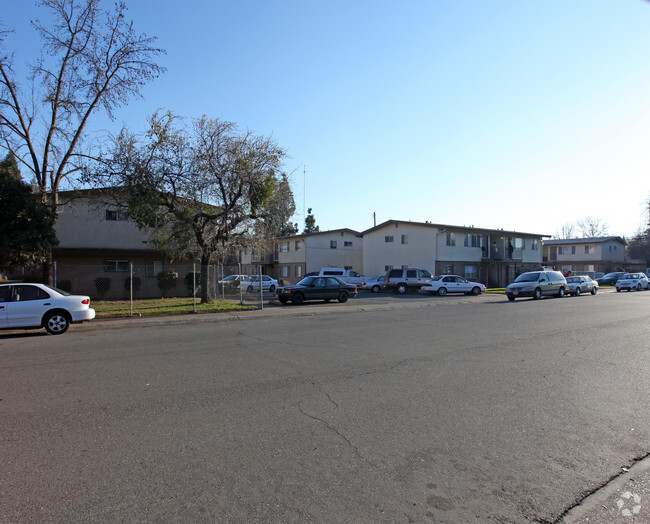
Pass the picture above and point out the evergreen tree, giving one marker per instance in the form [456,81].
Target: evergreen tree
[310,223]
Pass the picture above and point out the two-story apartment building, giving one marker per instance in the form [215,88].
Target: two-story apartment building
[492,256]
[600,254]
[300,254]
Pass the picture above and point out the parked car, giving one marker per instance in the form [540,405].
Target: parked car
[403,280]
[632,281]
[34,306]
[317,288]
[443,284]
[577,285]
[346,275]
[253,284]
[537,284]
[233,283]
[610,278]
[375,284]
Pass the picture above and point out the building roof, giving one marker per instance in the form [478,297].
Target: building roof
[478,230]
[588,240]
[330,231]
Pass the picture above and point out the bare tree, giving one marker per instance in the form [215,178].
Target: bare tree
[92,60]
[592,227]
[566,231]
[204,189]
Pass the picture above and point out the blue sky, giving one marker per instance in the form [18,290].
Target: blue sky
[517,114]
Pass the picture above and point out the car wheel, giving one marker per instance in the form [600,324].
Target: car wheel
[442,291]
[56,323]
[594,290]
[476,291]
[401,289]
[376,289]
[577,292]
[297,299]
[537,294]
[272,288]
[511,299]
[560,293]
[638,287]
[343,296]
[618,289]
[283,300]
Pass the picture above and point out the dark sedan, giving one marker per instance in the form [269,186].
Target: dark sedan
[610,279]
[317,288]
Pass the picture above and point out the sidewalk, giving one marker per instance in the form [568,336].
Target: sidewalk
[625,499]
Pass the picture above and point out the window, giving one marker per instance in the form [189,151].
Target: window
[332,244]
[298,245]
[152,268]
[472,240]
[284,247]
[347,243]
[388,239]
[116,215]
[471,272]
[24,293]
[534,244]
[298,271]
[116,265]
[411,273]
[405,239]
[566,250]
[451,239]
[388,268]
[518,243]
[447,270]
[590,250]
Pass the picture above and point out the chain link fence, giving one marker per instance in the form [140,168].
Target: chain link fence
[121,280]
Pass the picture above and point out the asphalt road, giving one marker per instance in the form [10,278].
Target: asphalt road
[449,409]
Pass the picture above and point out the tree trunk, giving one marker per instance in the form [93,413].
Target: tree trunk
[205,280]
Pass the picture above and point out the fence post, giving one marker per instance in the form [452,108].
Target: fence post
[261,288]
[194,285]
[131,290]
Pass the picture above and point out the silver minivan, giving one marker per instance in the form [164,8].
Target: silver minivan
[537,284]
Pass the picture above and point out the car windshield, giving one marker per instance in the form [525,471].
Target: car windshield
[572,280]
[307,281]
[527,277]
[611,275]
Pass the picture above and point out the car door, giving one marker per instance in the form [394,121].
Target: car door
[545,284]
[332,288]
[317,289]
[463,285]
[412,278]
[27,306]
[5,295]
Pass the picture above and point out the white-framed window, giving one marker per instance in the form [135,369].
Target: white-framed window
[298,271]
[405,239]
[451,239]
[590,250]
[152,268]
[518,243]
[472,240]
[284,247]
[389,238]
[566,250]
[116,215]
[332,244]
[347,243]
[111,266]
[534,244]
[284,271]
[298,245]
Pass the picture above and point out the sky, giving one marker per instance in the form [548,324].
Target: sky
[525,115]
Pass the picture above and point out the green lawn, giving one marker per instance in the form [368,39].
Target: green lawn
[161,306]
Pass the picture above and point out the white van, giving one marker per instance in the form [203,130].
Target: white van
[347,275]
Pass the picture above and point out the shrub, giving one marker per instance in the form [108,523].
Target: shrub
[102,284]
[189,281]
[166,281]
[137,284]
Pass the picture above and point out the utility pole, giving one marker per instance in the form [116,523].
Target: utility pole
[304,191]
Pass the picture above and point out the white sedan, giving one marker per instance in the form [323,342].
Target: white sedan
[443,284]
[632,281]
[268,284]
[34,306]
